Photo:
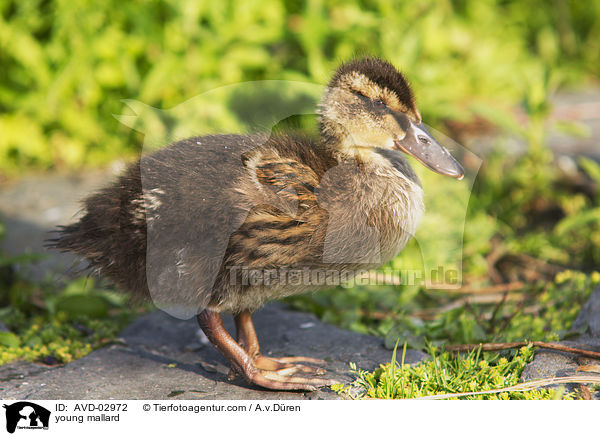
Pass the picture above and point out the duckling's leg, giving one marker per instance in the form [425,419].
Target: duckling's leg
[246,337]
[242,363]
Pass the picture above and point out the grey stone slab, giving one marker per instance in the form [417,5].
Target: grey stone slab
[161,357]
[582,108]
[588,319]
[550,363]
[32,206]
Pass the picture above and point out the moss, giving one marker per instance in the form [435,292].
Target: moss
[41,333]
[446,373]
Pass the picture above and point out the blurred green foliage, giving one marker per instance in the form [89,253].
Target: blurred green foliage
[67,65]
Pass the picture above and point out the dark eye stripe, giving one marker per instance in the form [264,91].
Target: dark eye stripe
[359,94]
[402,120]
[377,104]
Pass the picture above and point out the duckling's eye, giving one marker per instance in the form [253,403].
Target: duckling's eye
[379,103]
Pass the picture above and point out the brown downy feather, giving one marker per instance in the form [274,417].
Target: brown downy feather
[106,236]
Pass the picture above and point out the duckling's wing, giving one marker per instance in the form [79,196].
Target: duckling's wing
[282,182]
[226,201]
[284,226]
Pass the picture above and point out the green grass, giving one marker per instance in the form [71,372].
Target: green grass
[447,373]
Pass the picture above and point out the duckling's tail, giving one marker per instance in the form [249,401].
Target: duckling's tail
[111,241]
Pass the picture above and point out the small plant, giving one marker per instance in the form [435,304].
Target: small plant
[445,373]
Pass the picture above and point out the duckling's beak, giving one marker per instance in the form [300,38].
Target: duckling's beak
[419,143]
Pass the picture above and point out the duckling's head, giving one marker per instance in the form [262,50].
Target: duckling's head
[369,106]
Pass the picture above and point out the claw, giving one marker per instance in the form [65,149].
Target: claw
[281,365]
[293,359]
[316,382]
[278,385]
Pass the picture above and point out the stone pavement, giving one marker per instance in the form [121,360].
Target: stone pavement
[161,357]
[550,363]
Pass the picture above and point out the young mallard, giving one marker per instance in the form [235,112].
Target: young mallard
[209,223]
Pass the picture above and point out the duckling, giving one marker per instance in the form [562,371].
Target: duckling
[190,224]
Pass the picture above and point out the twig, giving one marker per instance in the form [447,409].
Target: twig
[492,258]
[527,386]
[473,299]
[494,289]
[512,315]
[379,314]
[387,278]
[492,323]
[589,368]
[478,316]
[508,345]
[540,264]
[392,279]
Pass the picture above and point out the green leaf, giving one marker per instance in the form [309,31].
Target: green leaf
[23,258]
[79,286]
[8,339]
[395,336]
[91,306]
[592,168]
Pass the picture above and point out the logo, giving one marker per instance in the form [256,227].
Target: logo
[26,415]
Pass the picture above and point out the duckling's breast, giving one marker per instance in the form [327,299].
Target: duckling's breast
[373,220]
